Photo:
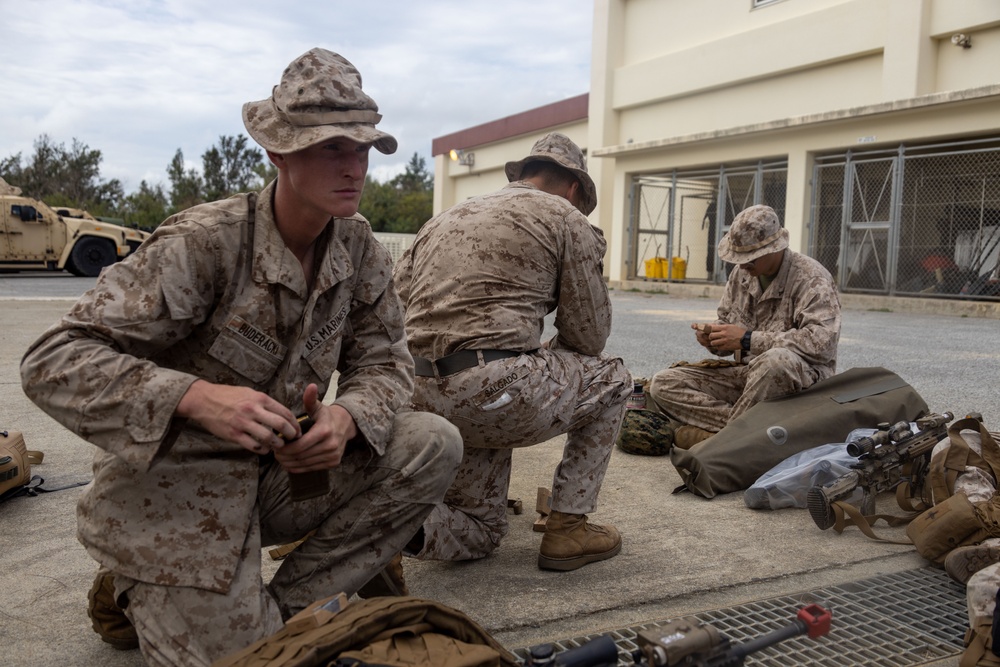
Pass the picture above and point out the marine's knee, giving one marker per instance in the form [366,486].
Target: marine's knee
[664,383]
[777,361]
[428,447]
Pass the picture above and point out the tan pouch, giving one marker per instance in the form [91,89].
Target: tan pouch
[949,524]
[15,462]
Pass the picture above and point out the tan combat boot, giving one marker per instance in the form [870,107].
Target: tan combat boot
[571,542]
[963,562]
[388,582]
[108,619]
[687,436]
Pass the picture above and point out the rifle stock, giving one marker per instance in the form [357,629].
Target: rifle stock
[820,499]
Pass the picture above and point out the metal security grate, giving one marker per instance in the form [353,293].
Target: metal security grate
[893,620]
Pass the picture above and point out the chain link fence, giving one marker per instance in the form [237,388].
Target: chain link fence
[911,221]
[679,218]
[921,221]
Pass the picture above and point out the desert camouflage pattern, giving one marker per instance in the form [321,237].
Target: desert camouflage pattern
[318,98]
[216,294]
[560,149]
[978,486]
[981,592]
[975,483]
[483,275]
[8,189]
[378,501]
[796,328]
[755,232]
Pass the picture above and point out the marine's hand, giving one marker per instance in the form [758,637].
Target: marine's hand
[701,333]
[726,337]
[322,446]
[241,415]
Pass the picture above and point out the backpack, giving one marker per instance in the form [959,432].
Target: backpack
[15,465]
[383,631]
[954,520]
[15,468]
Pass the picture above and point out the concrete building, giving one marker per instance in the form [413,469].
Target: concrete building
[871,126]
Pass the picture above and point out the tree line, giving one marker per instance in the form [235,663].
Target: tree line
[71,177]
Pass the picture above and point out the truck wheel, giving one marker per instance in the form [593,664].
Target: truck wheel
[89,256]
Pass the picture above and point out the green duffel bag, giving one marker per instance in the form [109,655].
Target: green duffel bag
[771,431]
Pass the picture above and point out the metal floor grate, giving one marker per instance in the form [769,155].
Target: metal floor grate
[893,620]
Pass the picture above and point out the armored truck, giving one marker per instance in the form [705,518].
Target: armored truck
[34,236]
[134,237]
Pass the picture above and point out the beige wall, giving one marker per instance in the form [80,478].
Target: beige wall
[680,84]
[454,182]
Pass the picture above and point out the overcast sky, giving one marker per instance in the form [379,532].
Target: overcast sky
[138,79]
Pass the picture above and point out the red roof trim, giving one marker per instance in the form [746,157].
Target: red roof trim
[550,115]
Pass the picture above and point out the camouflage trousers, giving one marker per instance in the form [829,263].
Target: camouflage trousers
[518,402]
[981,589]
[376,504]
[710,398]
[977,486]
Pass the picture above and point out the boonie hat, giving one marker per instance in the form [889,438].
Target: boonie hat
[558,148]
[319,98]
[755,232]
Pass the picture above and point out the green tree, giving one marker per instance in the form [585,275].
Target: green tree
[230,167]
[414,201]
[266,171]
[378,204]
[412,210]
[145,208]
[64,177]
[415,178]
[185,185]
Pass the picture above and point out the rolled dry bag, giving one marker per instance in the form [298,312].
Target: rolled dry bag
[771,431]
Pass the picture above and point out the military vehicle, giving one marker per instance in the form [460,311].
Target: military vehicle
[134,237]
[34,236]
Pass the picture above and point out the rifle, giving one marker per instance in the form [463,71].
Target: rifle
[685,642]
[892,455]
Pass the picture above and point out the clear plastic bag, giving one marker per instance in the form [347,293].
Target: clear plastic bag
[786,484]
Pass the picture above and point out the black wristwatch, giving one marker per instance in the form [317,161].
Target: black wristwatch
[745,341]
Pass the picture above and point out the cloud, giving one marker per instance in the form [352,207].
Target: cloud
[140,79]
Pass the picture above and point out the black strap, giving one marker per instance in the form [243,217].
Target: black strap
[459,361]
[34,487]
[995,628]
[888,384]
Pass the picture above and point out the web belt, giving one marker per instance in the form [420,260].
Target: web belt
[459,361]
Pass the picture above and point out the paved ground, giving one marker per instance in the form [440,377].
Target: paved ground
[681,554]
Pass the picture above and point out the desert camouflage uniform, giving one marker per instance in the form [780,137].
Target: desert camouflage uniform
[981,589]
[482,276]
[796,327]
[179,515]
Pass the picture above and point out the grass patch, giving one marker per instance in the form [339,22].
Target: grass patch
[880,310]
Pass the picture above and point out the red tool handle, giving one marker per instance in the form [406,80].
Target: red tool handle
[816,619]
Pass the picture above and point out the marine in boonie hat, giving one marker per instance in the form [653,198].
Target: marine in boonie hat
[319,98]
[560,149]
[755,232]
